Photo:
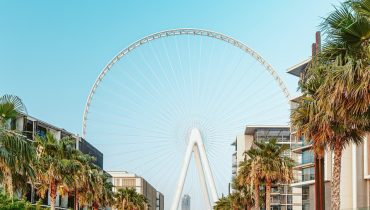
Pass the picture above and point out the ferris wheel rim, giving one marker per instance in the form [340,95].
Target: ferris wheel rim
[179,32]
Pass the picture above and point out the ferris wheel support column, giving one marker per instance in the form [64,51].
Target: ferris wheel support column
[196,145]
[205,163]
[202,178]
[184,169]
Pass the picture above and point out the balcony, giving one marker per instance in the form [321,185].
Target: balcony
[308,177]
[275,200]
[301,145]
[303,166]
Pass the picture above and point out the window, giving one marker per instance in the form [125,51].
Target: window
[308,174]
[305,193]
[130,182]
[275,208]
[289,199]
[117,182]
[29,129]
[290,190]
[41,131]
[307,157]
[306,206]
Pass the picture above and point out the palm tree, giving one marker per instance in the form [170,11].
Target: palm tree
[16,153]
[324,121]
[249,175]
[243,184]
[334,110]
[224,203]
[96,189]
[128,198]
[273,166]
[10,107]
[77,178]
[242,198]
[106,193]
[54,162]
[347,31]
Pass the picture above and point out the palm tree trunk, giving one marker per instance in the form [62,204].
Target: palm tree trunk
[335,184]
[268,194]
[53,194]
[76,199]
[95,205]
[9,182]
[256,195]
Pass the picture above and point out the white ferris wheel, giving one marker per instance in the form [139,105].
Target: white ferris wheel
[169,105]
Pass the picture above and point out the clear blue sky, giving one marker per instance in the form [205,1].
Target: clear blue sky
[52,51]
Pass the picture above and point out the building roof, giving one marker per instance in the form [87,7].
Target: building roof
[123,174]
[297,69]
[250,129]
[48,125]
[297,98]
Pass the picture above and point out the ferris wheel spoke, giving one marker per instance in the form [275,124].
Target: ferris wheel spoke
[236,94]
[132,161]
[176,107]
[213,93]
[234,115]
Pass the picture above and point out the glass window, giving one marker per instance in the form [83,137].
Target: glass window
[306,206]
[29,129]
[305,193]
[290,190]
[308,174]
[307,157]
[41,131]
[289,199]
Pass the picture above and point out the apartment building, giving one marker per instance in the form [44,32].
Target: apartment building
[30,127]
[355,174]
[123,179]
[282,196]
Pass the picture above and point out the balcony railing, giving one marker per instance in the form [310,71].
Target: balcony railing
[308,177]
[299,144]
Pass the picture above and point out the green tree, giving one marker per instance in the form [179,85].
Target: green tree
[106,193]
[16,153]
[244,186]
[77,178]
[129,199]
[273,166]
[334,110]
[96,189]
[9,203]
[224,203]
[54,163]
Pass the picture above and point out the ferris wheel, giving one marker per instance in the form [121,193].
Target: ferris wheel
[169,106]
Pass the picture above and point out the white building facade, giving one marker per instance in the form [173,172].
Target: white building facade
[283,197]
[123,179]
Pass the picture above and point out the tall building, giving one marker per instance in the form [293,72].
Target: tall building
[30,127]
[185,203]
[123,179]
[281,195]
[355,172]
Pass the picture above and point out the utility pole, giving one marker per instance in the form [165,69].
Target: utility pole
[319,159]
